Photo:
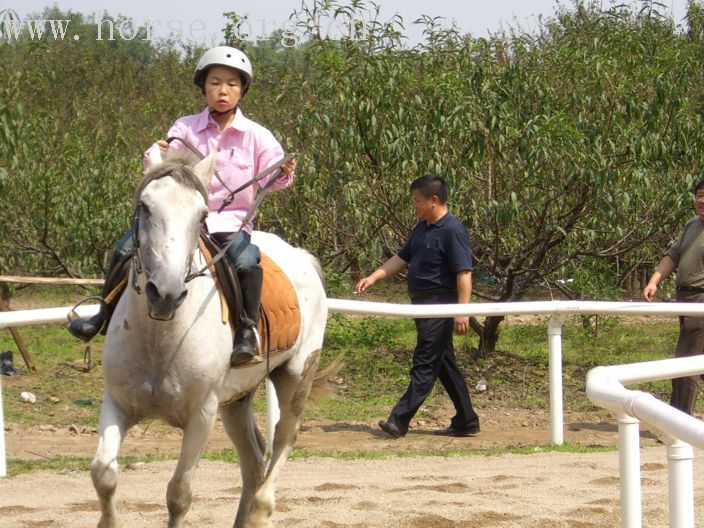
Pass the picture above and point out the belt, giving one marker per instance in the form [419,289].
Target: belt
[690,289]
[432,292]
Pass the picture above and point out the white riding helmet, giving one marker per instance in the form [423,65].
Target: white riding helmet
[223,56]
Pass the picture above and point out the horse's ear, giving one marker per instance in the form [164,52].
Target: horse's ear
[205,168]
[154,157]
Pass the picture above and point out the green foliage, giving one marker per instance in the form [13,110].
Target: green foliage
[570,150]
[376,360]
[367,332]
[75,118]
[561,147]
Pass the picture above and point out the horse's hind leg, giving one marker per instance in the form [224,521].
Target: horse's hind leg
[292,390]
[238,421]
[103,469]
[195,436]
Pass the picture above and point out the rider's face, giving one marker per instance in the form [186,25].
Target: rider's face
[223,88]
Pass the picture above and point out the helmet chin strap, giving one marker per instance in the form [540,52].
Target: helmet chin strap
[224,112]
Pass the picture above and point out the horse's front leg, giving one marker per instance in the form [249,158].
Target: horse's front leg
[103,469]
[195,436]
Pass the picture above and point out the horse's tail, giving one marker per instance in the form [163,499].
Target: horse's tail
[322,386]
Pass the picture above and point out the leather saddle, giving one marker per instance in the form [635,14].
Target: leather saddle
[280,315]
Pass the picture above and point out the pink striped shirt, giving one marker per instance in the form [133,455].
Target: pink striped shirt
[244,149]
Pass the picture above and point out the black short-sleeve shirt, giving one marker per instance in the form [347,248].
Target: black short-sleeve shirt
[436,253]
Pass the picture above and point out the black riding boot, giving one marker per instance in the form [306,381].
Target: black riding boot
[245,346]
[87,329]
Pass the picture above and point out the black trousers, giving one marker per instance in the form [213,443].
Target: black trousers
[433,359]
[690,343]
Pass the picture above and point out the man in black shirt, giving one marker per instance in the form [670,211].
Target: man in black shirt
[440,272]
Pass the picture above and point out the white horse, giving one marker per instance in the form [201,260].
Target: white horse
[167,352]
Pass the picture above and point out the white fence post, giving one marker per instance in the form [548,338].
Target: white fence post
[555,375]
[629,470]
[680,481]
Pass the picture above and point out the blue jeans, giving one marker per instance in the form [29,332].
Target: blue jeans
[124,246]
[244,255]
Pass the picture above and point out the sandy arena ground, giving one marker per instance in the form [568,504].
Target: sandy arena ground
[543,489]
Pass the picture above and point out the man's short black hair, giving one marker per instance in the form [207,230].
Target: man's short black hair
[700,185]
[430,185]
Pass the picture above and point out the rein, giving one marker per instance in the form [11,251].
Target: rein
[275,168]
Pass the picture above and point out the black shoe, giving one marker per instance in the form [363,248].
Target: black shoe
[245,347]
[467,430]
[391,429]
[6,366]
[86,329]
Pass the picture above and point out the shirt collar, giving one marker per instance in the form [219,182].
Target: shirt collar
[442,221]
[240,122]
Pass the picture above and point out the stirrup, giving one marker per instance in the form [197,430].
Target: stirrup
[71,315]
[258,342]
[257,358]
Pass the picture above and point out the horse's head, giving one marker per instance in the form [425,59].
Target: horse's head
[171,206]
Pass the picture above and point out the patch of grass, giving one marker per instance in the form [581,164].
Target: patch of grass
[65,393]
[375,375]
[378,353]
[445,453]
[17,467]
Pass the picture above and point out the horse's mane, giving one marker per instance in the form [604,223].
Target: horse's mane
[179,165]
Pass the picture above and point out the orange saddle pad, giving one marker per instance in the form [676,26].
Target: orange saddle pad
[280,320]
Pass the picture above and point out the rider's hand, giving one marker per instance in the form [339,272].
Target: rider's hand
[163,145]
[289,166]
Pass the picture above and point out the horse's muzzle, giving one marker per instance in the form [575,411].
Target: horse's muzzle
[162,306]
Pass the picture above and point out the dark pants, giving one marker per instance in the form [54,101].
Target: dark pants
[690,343]
[434,358]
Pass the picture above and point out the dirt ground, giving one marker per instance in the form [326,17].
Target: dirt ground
[542,489]
[501,428]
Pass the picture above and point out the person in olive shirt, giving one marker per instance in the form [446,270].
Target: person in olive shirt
[440,272]
[686,256]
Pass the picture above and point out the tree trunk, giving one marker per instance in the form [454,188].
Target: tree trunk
[488,335]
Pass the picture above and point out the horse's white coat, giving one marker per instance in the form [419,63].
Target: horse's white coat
[178,368]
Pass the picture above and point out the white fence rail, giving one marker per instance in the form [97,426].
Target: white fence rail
[605,387]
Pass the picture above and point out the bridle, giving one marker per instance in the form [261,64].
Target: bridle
[136,261]
[137,265]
